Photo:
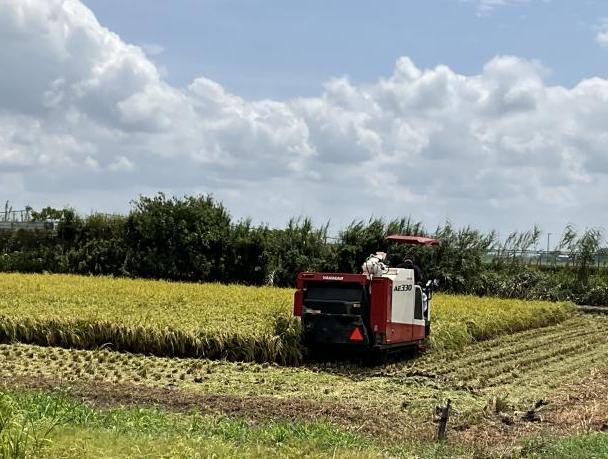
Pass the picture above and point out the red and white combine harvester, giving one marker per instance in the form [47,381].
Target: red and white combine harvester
[379,310]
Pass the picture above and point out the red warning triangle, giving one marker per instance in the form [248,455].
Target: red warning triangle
[356,335]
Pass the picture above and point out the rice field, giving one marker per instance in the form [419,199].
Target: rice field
[149,317]
[525,365]
[214,321]
[461,320]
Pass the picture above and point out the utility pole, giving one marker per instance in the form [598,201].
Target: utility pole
[548,239]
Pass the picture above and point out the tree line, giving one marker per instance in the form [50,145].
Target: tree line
[194,238]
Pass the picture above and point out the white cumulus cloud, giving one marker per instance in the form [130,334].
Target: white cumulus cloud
[601,36]
[152,49]
[486,7]
[87,119]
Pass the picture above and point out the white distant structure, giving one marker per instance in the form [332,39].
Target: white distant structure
[13,220]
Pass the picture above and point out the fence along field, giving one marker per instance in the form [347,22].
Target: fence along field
[212,320]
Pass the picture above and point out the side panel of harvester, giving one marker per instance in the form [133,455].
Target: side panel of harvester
[393,319]
[381,289]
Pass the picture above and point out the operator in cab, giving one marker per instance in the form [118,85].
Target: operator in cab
[408,263]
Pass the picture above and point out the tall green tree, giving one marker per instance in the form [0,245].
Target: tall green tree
[177,238]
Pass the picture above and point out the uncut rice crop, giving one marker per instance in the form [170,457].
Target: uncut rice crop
[212,320]
[458,320]
[150,317]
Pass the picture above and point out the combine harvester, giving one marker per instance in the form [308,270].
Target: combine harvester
[380,310]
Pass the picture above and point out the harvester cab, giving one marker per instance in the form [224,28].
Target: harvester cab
[383,308]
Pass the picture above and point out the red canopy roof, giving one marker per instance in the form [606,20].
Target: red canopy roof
[414,240]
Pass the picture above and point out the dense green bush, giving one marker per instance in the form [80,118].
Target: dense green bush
[297,248]
[247,256]
[183,239]
[194,239]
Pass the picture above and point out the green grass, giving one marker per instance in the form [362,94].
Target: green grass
[77,430]
[589,446]
[68,429]
[53,425]
[38,424]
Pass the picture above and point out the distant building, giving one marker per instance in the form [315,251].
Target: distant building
[29,226]
[13,220]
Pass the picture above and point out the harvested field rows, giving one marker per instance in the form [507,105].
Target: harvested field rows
[526,365]
[215,321]
[527,358]
[390,407]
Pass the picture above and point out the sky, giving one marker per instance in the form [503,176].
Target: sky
[489,113]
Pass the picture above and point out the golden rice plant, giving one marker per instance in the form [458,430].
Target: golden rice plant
[212,320]
[459,320]
[151,317]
